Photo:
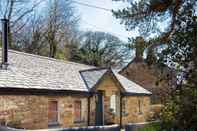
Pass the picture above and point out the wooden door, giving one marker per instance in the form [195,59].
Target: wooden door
[52,112]
[99,109]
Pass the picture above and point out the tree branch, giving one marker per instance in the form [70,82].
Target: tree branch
[27,12]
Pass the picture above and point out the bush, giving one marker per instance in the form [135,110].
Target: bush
[152,127]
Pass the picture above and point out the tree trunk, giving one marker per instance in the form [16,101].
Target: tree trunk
[54,50]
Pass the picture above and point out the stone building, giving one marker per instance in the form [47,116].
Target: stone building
[156,79]
[40,92]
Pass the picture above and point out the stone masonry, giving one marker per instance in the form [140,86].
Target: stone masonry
[109,86]
[31,112]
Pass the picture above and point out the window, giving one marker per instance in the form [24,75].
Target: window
[52,112]
[124,109]
[77,111]
[140,106]
[113,103]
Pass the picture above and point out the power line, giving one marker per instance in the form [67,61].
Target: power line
[92,6]
[116,34]
[100,8]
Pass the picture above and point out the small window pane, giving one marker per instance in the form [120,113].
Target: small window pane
[113,103]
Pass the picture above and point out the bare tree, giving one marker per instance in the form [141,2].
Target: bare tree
[15,11]
[33,41]
[60,26]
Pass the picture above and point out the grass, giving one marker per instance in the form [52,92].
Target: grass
[151,127]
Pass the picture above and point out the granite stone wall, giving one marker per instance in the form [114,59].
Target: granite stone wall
[131,115]
[156,80]
[31,112]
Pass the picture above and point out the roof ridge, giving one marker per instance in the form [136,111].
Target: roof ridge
[44,57]
[94,69]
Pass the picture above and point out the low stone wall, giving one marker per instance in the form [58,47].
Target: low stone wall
[95,128]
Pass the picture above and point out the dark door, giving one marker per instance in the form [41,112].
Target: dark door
[99,109]
[52,112]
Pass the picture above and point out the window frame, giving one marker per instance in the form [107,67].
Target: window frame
[140,106]
[56,112]
[78,120]
[113,107]
[124,107]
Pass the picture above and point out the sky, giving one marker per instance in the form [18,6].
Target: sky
[100,20]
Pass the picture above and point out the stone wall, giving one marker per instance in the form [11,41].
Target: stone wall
[31,112]
[133,114]
[109,86]
[151,78]
[92,110]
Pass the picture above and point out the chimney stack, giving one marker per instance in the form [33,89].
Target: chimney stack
[139,48]
[4,58]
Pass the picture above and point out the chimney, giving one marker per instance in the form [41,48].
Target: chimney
[4,58]
[139,48]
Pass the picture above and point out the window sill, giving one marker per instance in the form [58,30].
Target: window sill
[54,124]
[125,114]
[79,122]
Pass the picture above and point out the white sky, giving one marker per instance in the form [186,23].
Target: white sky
[101,20]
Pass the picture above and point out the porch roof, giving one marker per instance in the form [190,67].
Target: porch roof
[92,77]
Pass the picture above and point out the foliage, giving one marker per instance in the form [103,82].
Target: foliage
[151,127]
[153,18]
[179,52]
[101,49]
[146,15]
[181,109]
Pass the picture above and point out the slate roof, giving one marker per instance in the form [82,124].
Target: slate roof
[92,76]
[27,71]
[130,86]
[38,72]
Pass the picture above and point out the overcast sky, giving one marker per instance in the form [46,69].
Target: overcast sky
[101,20]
